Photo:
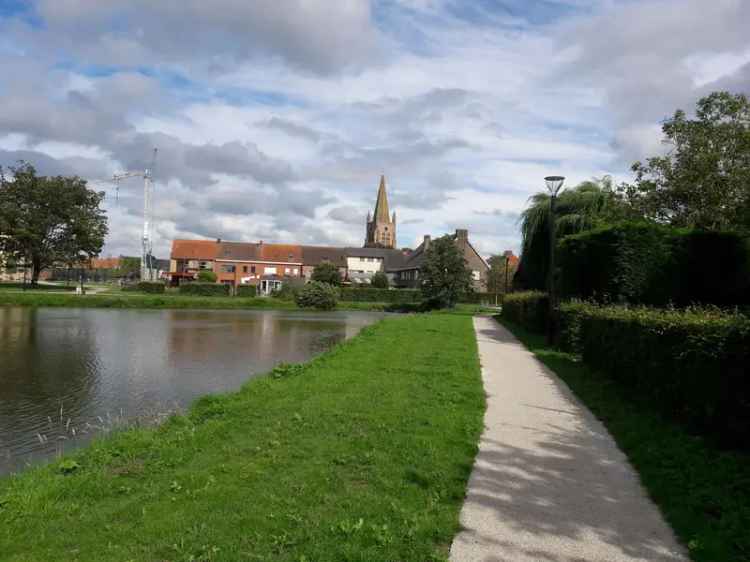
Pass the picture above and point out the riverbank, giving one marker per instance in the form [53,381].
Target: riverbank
[702,490]
[361,454]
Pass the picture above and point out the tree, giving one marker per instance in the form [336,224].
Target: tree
[444,274]
[591,203]
[206,276]
[130,267]
[704,179]
[326,272]
[379,280]
[48,220]
[498,277]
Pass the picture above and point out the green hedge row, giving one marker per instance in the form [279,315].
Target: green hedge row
[205,289]
[527,309]
[151,287]
[399,296]
[641,263]
[480,298]
[693,363]
[246,291]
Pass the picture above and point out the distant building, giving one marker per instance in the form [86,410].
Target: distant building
[381,228]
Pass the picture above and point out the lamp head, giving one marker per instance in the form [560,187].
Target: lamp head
[554,183]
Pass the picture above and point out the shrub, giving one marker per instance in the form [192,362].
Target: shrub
[326,272]
[206,276]
[246,291]
[150,287]
[444,274]
[367,294]
[692,363]
[642,263]
[317,295]
[480,298]
[528,309]
[379,280]
[205,289]
[289,289]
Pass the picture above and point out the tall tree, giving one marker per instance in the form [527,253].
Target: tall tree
[326,272]
[49,220]
[704,179]
[502,270]
[445,276]
[585,206]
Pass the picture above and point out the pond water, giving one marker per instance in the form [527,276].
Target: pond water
[67,374]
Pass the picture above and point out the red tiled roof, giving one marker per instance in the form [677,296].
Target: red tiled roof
[281,252]
[194,249]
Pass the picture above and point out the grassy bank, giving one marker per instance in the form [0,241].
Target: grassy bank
[702,490]
[362,455]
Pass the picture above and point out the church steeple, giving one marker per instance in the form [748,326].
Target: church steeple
[381,228]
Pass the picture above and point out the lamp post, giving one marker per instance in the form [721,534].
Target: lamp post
[554,183]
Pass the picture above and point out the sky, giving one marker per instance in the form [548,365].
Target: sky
[275,118]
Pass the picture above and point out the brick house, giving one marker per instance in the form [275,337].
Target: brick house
[260,264]
[188,257]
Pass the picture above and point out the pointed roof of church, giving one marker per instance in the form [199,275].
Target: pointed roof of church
[381,206]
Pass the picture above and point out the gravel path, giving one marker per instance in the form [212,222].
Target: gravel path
[549,484]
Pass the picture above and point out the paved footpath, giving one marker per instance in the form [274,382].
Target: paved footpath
[549,484]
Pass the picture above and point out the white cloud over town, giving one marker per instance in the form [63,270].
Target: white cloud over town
[274,120]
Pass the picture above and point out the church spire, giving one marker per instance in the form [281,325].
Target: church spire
[381,206]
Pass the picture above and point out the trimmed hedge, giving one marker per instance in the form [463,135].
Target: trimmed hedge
[691,363]
[527,309]
[480,298]
[642,263]
[399,296]
[154,288]
[246,291]
[204,289]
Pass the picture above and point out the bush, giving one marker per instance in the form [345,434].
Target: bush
[289,289]
[692,364]
[641,263]
[379,280]
[528,309]
[326,272]
[206,276]
[204,289]
[151,287]
[480,298]
[317,295]
[246,291]
[367,294]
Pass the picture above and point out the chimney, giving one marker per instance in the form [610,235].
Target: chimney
[462,235]
[218,240]
[426,243]
[260,243]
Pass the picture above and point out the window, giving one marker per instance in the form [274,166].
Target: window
[203,265]
[244,269]
[287,271]
[476,275]
[269,271]
[296,271]
[227,269]
[252,269]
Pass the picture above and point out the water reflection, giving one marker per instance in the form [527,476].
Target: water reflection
[64,368]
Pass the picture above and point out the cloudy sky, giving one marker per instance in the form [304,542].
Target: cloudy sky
[275,118]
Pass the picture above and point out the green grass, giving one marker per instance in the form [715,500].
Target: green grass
[363,454]
[702,490]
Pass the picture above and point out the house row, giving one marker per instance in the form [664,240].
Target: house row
[268,266]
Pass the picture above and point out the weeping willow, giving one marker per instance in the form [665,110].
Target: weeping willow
[585,206]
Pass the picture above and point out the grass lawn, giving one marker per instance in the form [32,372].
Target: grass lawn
[362,454]
[702,490]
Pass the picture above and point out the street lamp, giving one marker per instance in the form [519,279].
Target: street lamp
[554,183]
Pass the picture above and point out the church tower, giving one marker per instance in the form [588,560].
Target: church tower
[381,229]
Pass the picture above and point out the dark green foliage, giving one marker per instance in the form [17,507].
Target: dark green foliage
[204,289]
[444,274]
[326,272]
[366,294]
[246,291]
[49,220]
[701,489]
[379,280]
[480,298]
[320,296]
[16,286]
[691,363]
[657,265]
[527,309]
[206,276]
[153,288]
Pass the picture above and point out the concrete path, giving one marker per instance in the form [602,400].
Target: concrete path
[549,484]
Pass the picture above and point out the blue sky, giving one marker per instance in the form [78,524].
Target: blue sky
[274,119]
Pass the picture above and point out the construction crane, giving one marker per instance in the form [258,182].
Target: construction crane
[148,271]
